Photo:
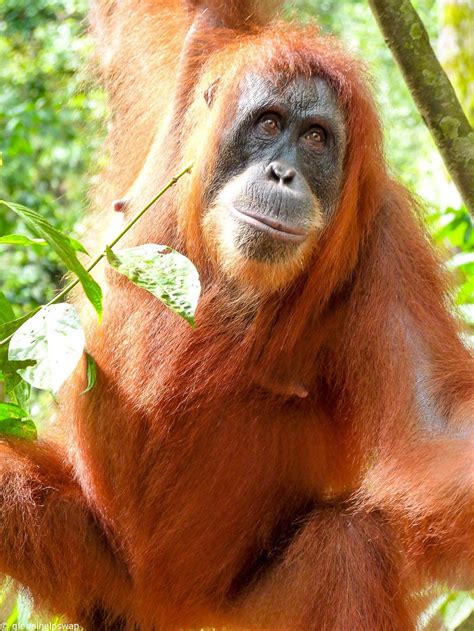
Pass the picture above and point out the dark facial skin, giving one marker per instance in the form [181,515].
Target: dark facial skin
[280,164]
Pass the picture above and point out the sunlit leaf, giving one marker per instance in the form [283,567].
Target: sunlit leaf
[91,372]
[63,247]
[19,391]
[6,310]
[25,606]
[6,314]
[9,327]
[462,259]
[78,246]
[12,382]
[466,291]
[55,339]
[20,239]
[16,422]
[457,608]
[165,273]
[456,226]
[11,410]
[9,368]
[467,312]
[12,618]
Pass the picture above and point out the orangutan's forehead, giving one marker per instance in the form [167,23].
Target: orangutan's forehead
[304,96]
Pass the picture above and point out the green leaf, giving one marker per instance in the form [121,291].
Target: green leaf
[12,619]
[6,310]
[457,608]
[9,368]
[19,428]
[15,422]
[19,393]
[11,326]
[6,314]
[465,292]
[20,239]
[55,339]
[63,248]
[11,410]
[165,273]
[462,259]
[14,387]
[25,609]
[91,373]
[467,312]
[77,245]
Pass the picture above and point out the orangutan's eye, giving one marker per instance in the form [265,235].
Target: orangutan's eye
[269,123]
[316,136]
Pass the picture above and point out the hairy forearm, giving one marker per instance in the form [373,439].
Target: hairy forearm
[48,530]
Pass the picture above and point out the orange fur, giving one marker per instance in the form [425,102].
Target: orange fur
[301,460]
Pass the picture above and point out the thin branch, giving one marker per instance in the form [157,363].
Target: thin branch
[407,38]
[63,293]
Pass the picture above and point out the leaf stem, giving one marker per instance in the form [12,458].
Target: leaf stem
[102,255]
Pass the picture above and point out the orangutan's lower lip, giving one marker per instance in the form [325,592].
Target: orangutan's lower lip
[273,227]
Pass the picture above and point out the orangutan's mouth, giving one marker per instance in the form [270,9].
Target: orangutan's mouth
[273,227]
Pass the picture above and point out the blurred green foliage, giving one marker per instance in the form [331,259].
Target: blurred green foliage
[51,131]
[51,115]
[456,46]
[50,119]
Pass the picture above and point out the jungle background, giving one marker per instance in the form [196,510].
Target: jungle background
[52,128]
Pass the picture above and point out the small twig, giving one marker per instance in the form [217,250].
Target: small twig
[102,255]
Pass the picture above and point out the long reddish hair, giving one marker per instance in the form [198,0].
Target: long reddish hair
[336,320]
